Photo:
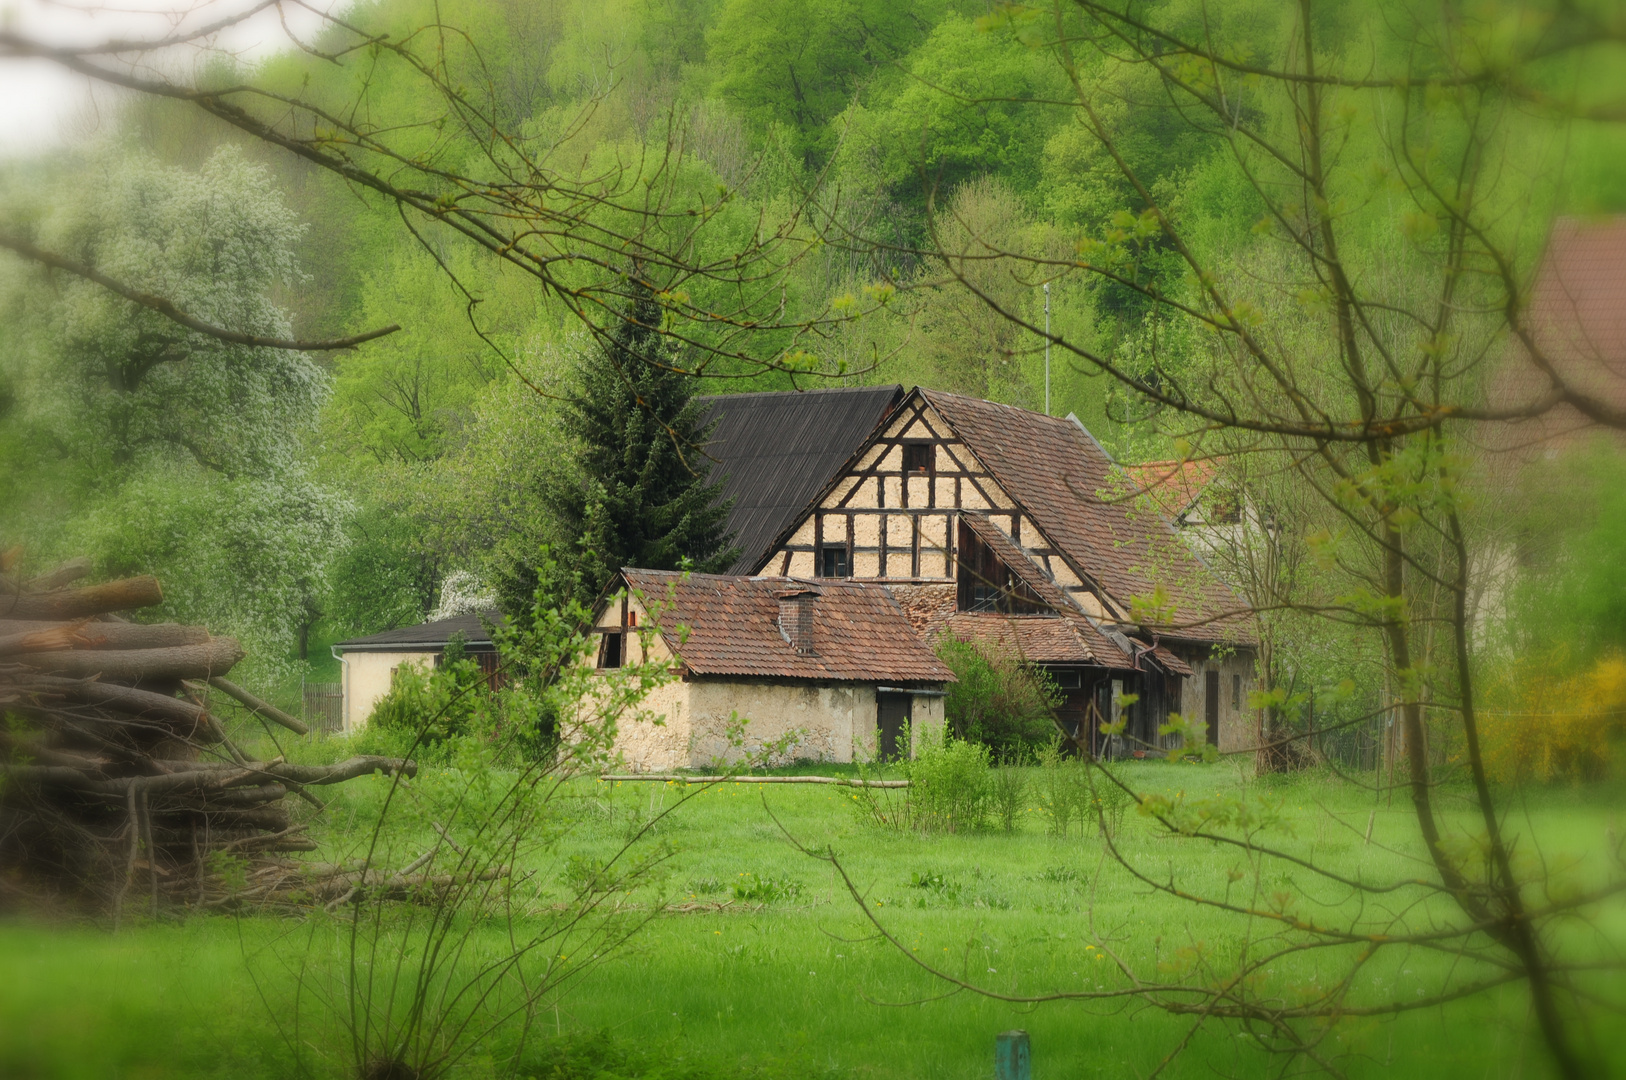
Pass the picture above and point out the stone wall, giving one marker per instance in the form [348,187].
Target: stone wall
[925,604]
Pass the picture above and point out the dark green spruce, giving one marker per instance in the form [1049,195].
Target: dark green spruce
[643,495]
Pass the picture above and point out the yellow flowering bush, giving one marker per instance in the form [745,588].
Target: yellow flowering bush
[1544,721]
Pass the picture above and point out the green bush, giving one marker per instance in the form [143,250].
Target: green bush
[426,713]
[951,786]
[997,700]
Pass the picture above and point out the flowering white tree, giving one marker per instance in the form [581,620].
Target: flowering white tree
[154,446]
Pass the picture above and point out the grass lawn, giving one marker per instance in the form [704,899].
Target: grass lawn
[796,987]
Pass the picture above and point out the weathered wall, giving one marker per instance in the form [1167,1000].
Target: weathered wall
[833,722]
[658,739]
[825,715]
[1238,724]
[366,677]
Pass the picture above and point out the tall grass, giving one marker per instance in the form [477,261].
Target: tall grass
[787,980]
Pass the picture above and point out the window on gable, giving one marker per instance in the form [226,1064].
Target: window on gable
[833,561]
[609,651]
[986,584]
[917,457]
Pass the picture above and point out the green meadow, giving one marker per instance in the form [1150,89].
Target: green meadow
[769,969]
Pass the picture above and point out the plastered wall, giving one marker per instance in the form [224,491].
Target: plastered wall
[688,722]
[366,678]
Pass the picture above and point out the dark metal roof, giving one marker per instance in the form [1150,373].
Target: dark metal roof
[774,452]
[427,636]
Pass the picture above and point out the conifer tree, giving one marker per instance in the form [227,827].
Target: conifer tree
[642,495]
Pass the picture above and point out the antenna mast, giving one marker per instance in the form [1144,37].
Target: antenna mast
[1047,348]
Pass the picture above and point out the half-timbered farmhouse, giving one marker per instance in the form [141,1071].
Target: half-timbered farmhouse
[990,521]
[871,521]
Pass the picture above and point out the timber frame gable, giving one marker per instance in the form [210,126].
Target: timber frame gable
[891,515]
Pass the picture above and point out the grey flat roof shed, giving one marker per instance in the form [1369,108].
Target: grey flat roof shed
[426,637]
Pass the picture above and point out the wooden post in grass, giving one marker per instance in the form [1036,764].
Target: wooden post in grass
[1012,1059]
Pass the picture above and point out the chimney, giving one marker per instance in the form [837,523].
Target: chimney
[796,619]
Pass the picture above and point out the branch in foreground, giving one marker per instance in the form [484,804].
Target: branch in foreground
[175,314]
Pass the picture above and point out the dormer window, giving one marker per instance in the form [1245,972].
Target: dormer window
[917,458]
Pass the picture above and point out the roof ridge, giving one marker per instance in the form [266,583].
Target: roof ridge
[875,387]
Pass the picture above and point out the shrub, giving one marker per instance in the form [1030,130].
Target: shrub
[951,789]
[1542,724]
[950,785]
[441,704]
[454,701]
[997,700]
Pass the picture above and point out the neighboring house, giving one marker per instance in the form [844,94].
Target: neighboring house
[834,665]
[987,520]
[368,663]
[1576,315]
[1222,524]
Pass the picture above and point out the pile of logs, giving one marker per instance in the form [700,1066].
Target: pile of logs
[114,770]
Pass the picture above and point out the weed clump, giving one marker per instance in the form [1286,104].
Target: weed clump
[1067,798]
[951,789]
[951,786]
[750,888]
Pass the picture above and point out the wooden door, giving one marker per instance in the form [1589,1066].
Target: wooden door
[1211,704]
[891,722]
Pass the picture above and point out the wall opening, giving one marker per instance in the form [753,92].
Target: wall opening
[891,725]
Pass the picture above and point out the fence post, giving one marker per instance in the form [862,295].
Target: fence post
[1012,1058]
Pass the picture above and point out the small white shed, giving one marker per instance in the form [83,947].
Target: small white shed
[368,663]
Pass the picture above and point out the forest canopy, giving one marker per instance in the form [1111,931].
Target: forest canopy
[835,142]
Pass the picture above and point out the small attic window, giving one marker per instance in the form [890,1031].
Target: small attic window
[917,457]
[833,561]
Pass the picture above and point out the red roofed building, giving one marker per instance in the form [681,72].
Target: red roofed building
[1577,319]
[989,521]
[833,665]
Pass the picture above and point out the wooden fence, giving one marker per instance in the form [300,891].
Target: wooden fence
[324,706]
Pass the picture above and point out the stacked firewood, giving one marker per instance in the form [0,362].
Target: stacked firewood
[115,770]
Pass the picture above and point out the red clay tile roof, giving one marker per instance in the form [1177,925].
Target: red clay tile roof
[1577,315]
[859,632]
[1037,639]
[1173,485]
[1069,485]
